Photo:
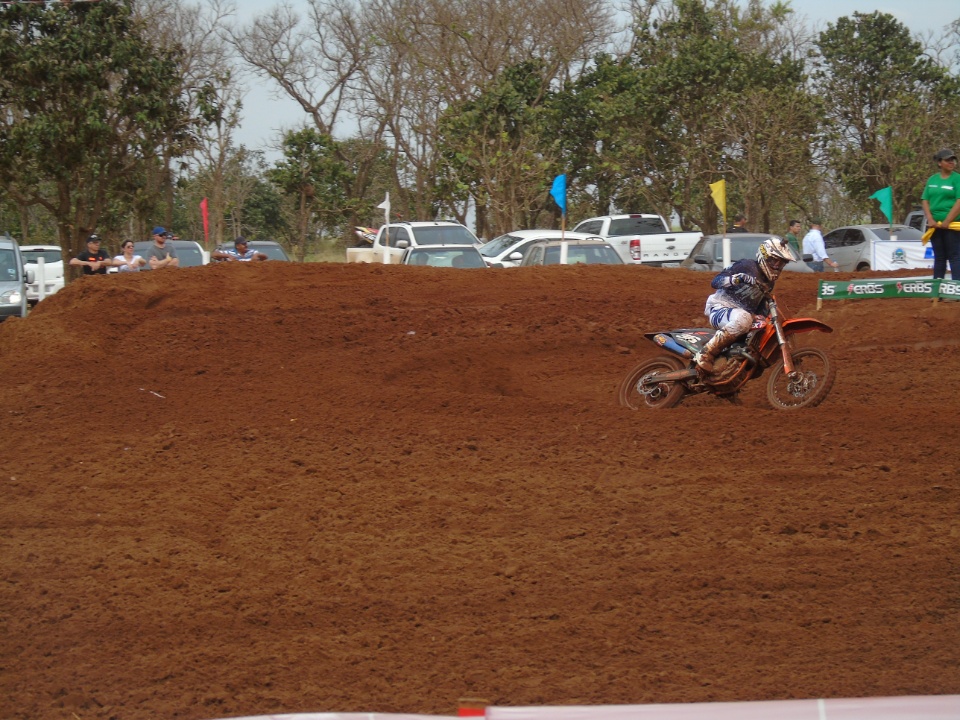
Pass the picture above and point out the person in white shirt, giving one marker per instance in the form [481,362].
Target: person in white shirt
[127,261]
[813,245]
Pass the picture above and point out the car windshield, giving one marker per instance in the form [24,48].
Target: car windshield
[740,248]
[460,258]
[8,264]
[190,255]
[497,245]
[588,254]
[635,226]
[903,233]
[274,252]
[444,235]
[49,256]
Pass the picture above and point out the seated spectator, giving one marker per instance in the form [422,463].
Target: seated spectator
[238,253]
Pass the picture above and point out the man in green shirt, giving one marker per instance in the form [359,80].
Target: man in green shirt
[791,237]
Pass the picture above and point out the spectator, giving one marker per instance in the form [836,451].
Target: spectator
[739,224]
[941,204]
[238,252]
[792,229]
[813,245]
[126,261]
[94,260]
[160,255]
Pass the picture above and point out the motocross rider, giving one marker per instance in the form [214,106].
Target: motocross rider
[741,295]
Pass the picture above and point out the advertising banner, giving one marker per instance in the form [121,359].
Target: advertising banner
[913,287]
[902,255]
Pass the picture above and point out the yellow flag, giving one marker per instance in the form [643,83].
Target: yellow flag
[719,192]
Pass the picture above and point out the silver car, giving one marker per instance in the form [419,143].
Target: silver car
[13,280]
[578,251]
[851,246]
[708,253]
[510,249]
[455,256]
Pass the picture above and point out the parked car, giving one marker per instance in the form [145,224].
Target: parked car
[917,219]
[273,250]
[707,255]
[52,270]
[509,250]
[190,252]
[457,256]
[580,250]
[641,238]
[851,246]
[13,280]
[391,240]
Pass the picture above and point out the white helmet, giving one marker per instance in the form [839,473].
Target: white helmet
[773,254]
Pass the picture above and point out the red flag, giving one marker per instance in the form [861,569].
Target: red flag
[206,222]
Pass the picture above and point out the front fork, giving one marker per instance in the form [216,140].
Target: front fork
[782,339]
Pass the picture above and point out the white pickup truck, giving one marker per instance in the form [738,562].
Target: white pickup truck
[393,239]
[642,238]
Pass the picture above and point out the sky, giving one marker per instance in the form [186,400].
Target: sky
[266,113]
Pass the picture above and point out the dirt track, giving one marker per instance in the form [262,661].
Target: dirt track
[239,490]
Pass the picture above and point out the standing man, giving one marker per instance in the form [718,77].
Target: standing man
[94,260]
[739,224]
[813,245]
[792,230]
[160,255]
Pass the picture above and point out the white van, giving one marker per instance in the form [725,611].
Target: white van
[52,270]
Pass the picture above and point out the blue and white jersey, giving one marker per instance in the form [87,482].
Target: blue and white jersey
[752,298]
[245,256]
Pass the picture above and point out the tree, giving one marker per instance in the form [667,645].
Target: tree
[89,101]
[312,174]
[495,150]
[890,106]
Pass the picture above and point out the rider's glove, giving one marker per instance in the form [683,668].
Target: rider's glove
[743,279]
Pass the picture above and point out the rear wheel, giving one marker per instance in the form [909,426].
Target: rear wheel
[812,379]
[652,394]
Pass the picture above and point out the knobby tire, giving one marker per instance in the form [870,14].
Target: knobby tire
[665,395]
[818,373]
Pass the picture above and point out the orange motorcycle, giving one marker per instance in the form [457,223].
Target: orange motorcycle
[799,377]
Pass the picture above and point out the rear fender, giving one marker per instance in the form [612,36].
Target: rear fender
[662,339]
[796,326]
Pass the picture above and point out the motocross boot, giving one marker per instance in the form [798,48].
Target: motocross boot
[714,346]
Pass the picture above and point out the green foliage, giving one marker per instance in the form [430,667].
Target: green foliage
[88,101]
[312,174]
[496,149]
[888,108]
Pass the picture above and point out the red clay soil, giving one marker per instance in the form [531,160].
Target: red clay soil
[242,490]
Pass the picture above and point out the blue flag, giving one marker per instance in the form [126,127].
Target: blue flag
[559,192]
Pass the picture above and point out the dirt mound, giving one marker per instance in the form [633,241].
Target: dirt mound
[241,490]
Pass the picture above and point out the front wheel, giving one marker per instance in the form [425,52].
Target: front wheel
[809,384]
[652,394]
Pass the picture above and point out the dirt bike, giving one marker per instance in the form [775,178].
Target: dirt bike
[799,377]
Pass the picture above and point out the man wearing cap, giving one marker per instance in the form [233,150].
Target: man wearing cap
[941,205]
[813,245]
[160,254]
[239,252]
[94,260]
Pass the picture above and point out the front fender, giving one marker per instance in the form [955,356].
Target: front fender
[795,326]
